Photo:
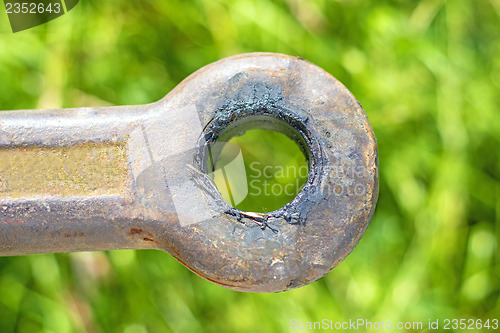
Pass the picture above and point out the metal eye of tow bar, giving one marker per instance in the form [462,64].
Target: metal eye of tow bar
[135,177]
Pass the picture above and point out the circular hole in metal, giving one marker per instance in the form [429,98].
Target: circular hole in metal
[258,163]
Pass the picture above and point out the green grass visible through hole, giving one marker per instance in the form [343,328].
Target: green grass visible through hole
[275,170]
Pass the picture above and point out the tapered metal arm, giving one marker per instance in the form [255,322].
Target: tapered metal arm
[65,180]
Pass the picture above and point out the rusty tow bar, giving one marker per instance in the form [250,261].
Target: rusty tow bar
[135,177]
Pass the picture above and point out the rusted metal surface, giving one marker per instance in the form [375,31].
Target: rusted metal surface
[155,194]
[81,170]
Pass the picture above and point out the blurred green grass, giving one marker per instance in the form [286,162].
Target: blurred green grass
[274,170]
[428,75]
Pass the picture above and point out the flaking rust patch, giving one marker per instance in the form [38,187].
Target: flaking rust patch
[79,170]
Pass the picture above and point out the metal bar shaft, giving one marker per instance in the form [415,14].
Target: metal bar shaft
[64,180]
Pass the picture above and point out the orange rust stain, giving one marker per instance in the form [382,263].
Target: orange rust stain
[136,231]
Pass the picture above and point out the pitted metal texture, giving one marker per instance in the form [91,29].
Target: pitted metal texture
[154,192]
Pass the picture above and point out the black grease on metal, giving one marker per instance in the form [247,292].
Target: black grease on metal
[259,98]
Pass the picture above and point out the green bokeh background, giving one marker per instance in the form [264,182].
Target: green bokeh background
[428,75]
[275,170]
